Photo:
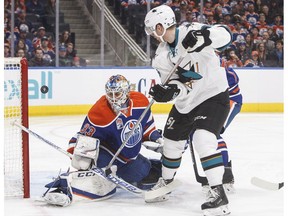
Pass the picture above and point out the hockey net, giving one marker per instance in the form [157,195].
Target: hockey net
[16,142]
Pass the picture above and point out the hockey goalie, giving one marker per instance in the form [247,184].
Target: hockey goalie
[105,127]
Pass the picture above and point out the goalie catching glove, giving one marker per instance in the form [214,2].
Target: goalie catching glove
[193,36]
[164,93]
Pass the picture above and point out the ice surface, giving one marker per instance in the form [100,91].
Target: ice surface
[256,147]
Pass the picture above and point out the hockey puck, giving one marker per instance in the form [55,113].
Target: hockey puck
[44,89]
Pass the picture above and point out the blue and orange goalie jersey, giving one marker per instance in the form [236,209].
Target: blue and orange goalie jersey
[111,129]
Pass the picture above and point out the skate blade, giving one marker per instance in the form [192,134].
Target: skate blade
[220,211]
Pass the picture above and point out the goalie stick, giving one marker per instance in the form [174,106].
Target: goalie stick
[100,172]
[261,183]
[111,177]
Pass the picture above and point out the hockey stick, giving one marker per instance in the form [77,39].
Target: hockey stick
[15,123]
[261,183]
[111,177]
[108,171]
[201,179]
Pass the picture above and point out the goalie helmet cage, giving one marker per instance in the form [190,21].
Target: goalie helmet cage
[16,141]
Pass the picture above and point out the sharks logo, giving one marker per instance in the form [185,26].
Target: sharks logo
[137,134]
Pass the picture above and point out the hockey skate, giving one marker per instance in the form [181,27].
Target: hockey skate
[217,204]
[58,198]
[162,183]
[62,195]
[228,179]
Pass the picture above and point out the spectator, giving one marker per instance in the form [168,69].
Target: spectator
[265,10]
[227,21]
[174,4]
[275,7]
[277,26]
[262,53]
[261,24]
[232,59]
[35,7]
[250,15]
[249,43]
[37,60]
[239,32]
[238,8]
[20,53]
[50,8]
[28,42]
[22,45]
[48,53]
[188,19]
[226,9]
[22,23]
[242,52]
[253,61]
[64,61]
[70,51]
[19,5]
[208,9]
[37,40]
[210,19]
[276,56]
[218,15]
[255,35]
[65,38]
[7,52]
[183,10]
[272,35]
[269,44]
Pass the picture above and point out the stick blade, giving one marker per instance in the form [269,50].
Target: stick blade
[261,183]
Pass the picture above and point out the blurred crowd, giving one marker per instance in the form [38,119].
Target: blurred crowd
[34,35]
[256,26]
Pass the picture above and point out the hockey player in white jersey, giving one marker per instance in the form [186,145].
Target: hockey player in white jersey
[201,106]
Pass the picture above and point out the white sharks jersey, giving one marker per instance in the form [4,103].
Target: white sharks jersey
[205,62]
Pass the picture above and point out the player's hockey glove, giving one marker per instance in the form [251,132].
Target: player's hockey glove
[192,36]
[164,93]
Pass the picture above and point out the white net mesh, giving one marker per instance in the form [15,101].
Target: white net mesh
[13,168]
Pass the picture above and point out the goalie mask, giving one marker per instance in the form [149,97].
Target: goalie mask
[163,15]
[117,92]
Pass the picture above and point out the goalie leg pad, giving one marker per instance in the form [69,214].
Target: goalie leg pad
[88,185]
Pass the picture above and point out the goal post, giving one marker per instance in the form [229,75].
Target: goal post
[16,142]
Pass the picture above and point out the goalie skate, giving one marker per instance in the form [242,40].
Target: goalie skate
[57,198]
